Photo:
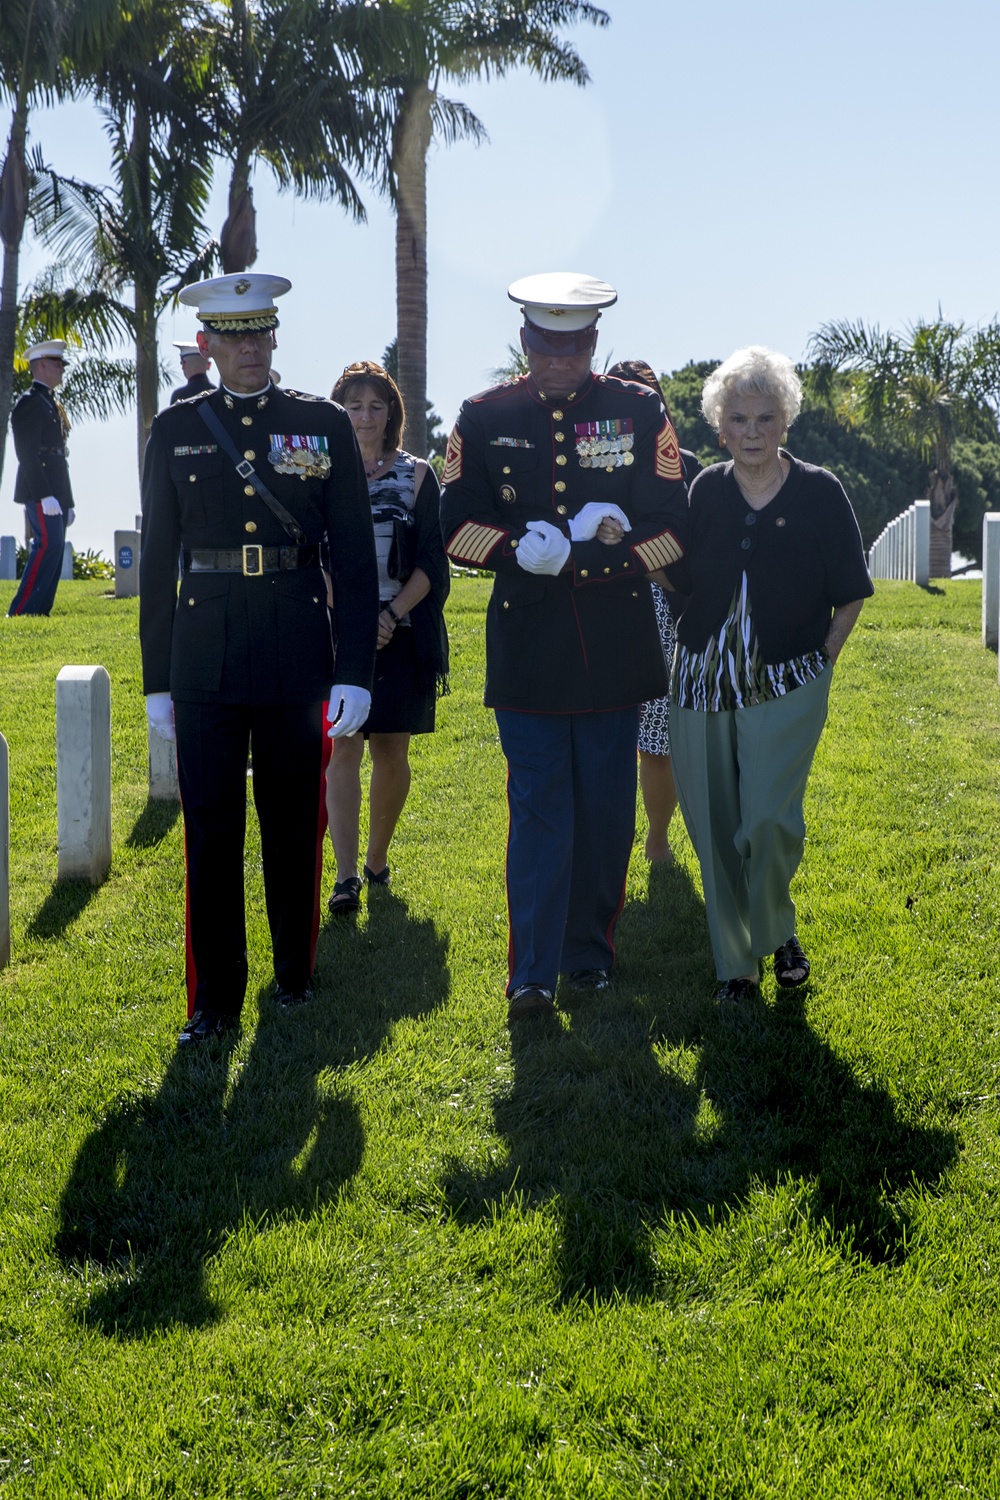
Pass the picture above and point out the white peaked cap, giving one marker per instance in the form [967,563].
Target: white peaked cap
[50,348]
[239,302]
[562,301]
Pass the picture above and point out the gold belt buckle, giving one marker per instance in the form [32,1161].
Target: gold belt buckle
[253,561]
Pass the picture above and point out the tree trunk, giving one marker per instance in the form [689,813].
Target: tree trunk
[941,493]
[238,240]
[13,208]
[147,375]
[409,169]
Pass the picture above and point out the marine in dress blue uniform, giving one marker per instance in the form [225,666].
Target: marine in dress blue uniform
[40,428]
[195,367]
[564,484]
[244,657]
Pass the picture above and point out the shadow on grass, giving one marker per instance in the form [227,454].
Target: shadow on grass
[230,1140]
[154,823]
[61,907]
[597,1123]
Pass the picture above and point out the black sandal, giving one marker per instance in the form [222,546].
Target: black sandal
[346,896]
[382,879]
[789,959]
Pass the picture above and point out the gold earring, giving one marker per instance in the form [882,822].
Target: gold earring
[722,441]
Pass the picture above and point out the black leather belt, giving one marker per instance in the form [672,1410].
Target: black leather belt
[250,561]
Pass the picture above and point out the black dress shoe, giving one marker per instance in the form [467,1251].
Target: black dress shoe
[528,1001]
[206,1026]
[289,999]
[589,979]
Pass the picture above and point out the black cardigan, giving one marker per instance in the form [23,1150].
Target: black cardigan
[802,554]
[426,551]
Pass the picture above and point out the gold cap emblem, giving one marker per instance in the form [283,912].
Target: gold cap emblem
[242,287]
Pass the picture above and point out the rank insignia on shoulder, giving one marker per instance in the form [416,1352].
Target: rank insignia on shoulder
[307,456]
[606,444]
[668,456]
[193,449]
[453,459]
[509,442]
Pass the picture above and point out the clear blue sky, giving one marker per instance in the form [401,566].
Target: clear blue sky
[740,173]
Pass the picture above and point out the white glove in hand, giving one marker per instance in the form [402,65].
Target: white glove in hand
[543,549]
[160,713]
[583,526]
[348,710]
[51,506]
[71,515]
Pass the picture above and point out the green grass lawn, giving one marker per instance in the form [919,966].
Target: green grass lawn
[381,1248]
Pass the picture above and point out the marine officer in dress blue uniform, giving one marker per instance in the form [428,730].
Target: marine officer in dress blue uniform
[40,428]
[195,367]
[252,486]
[563,483]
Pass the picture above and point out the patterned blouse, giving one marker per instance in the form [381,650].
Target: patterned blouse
[730,673]
[392,500]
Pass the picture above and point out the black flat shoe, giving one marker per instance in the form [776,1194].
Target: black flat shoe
[346,896]
[789,959]
[383,879]
[289,999]
[529,1001]
[737,992]
[206,1026]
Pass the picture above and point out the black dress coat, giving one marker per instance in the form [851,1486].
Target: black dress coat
[192,387]
[40,432]
[587,639]
[265,639]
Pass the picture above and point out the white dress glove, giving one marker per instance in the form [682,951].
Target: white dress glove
[349,707]
[543,548]
[50,506]
[583,526]
[71,515]
[160,713]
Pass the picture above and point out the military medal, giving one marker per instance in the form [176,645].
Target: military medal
[307,456]
[606,444]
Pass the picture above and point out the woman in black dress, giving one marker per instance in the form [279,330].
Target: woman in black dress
[412,659]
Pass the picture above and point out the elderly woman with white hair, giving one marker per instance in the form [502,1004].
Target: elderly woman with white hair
[776,574]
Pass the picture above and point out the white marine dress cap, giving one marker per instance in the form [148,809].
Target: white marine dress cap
[241,303]
[562,301]
[50,349]
[186,350]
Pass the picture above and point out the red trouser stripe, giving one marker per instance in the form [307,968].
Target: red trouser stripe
[40,552]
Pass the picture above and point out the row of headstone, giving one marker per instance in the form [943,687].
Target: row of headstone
[903,550]
[126,561]
[83,784]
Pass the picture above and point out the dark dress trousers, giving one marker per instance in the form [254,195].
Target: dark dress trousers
[193,387]
[40,429]
[569,659]
[248,651]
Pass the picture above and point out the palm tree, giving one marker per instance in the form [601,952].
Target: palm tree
[923,390]
[146,238]
[423,43]
[46,47]
[287,93]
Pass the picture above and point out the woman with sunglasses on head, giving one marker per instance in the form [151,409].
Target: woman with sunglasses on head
[411,663]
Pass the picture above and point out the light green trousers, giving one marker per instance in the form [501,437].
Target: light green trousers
[741,777]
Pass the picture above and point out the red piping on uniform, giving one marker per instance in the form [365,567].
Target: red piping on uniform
[321,825]
[579,631]
[40,552]
[190,971]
